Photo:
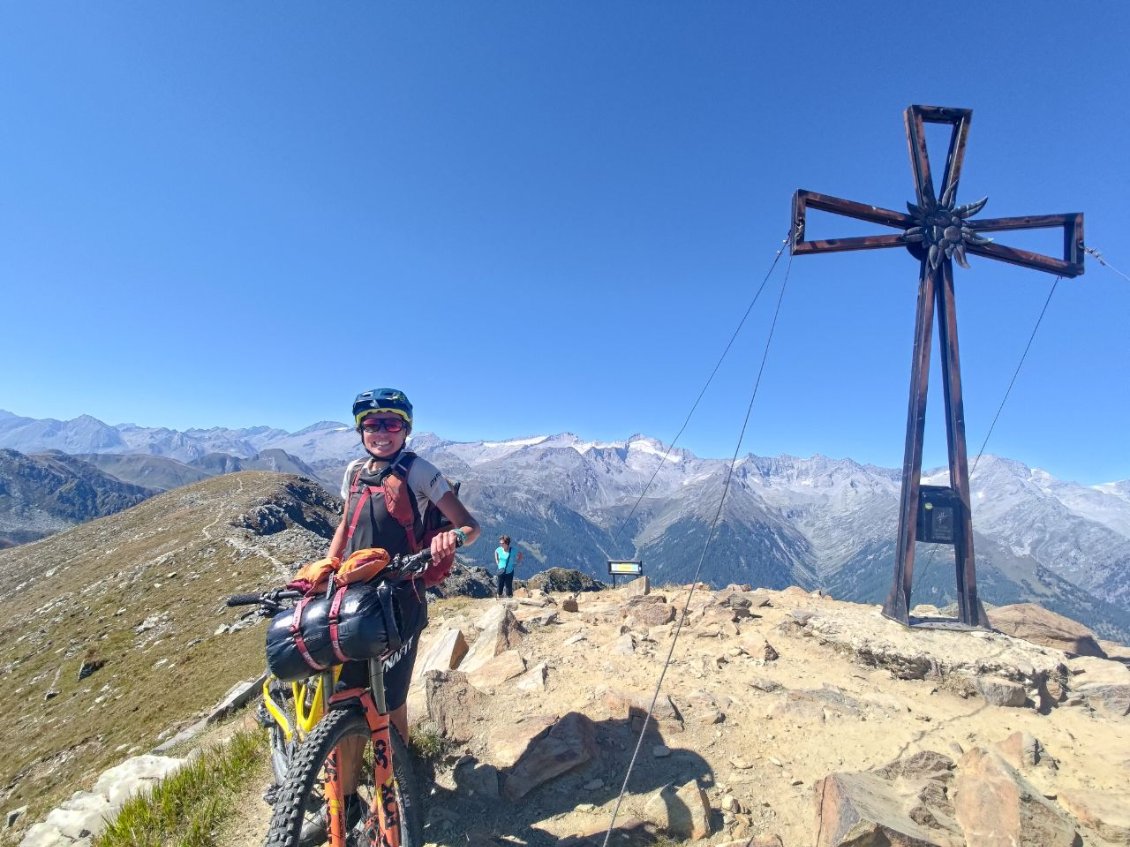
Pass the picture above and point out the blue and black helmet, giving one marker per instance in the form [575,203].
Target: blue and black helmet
[382,400]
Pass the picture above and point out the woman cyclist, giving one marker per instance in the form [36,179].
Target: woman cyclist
[393,478]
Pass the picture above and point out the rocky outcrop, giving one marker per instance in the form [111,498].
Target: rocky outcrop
[564,580]
[1042,626]
[84,815]
[995,806]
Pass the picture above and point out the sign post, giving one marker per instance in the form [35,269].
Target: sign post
[624,568]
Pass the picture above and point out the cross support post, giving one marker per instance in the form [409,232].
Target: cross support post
[936,231]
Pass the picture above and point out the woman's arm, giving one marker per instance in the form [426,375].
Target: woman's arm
[337,546]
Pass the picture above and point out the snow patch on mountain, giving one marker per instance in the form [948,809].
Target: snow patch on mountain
[643,444]
[517,442]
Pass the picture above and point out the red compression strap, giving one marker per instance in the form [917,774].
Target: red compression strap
[299,641]
[335,616]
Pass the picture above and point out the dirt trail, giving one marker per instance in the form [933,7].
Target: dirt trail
[249,827]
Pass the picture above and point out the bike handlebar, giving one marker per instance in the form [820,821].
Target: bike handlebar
[243,599]
[267,599]
[400,566]
[405,565]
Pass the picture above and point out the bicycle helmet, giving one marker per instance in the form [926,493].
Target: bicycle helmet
[382,400]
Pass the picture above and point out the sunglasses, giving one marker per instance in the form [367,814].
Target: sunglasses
[388,425]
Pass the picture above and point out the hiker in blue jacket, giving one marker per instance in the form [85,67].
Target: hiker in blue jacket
[505,558]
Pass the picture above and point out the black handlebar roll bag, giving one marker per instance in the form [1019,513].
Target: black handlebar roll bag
[355,623]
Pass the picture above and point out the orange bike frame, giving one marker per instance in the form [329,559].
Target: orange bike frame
[385,829]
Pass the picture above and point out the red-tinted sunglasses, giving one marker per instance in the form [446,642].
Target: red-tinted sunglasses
[387,424]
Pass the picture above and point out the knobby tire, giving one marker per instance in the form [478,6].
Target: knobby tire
[302,791]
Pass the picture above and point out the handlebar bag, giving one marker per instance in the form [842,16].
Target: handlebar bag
[356,623]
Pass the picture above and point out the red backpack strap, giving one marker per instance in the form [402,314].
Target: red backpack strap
[355,485]
[437,571]
[366,492]
[400,500]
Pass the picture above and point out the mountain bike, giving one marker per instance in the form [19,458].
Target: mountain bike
[388,809]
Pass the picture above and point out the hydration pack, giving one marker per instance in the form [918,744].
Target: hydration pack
[400,502]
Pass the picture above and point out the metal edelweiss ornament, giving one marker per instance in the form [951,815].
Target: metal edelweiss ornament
[943,228]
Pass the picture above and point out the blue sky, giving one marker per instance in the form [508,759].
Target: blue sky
[545,217]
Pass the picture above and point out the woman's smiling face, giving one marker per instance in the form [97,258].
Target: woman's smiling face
[378,439]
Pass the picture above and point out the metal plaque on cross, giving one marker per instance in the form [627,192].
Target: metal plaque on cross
[937,231]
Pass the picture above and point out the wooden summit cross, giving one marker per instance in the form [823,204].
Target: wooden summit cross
[935,232]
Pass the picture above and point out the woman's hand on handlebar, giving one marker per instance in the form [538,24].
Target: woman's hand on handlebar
[444,544]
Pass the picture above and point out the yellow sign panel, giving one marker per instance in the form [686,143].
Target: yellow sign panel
[634,568]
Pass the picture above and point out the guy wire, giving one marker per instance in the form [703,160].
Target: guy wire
[1000,408]
[698,568]
[713,373]
[1099,258]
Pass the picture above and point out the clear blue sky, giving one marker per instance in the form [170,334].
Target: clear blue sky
[539,217]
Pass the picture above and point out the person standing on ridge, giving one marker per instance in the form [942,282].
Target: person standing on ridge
[387,496]
[505,558]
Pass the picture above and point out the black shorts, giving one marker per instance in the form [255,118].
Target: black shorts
[412,609]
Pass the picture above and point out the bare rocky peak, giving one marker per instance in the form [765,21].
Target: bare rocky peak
[159,473]
[83,434]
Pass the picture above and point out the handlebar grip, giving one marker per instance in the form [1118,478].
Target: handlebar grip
[420,558]
[243,599]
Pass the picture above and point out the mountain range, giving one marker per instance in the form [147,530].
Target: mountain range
[817,522]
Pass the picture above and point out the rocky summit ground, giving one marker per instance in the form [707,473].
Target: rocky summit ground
[784,718]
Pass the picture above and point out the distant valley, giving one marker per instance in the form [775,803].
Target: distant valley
[816,522]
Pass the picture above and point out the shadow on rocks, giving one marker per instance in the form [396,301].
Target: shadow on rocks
[511,805]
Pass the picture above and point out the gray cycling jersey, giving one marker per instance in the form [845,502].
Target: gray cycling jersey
[424,480]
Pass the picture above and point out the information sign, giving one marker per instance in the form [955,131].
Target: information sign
[625,568]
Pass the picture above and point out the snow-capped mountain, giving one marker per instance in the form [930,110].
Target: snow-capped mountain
[816,522]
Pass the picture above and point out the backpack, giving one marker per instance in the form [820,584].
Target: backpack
[419,530]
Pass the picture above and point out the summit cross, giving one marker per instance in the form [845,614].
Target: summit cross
[936,232]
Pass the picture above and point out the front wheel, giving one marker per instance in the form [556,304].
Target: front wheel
[299,808]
